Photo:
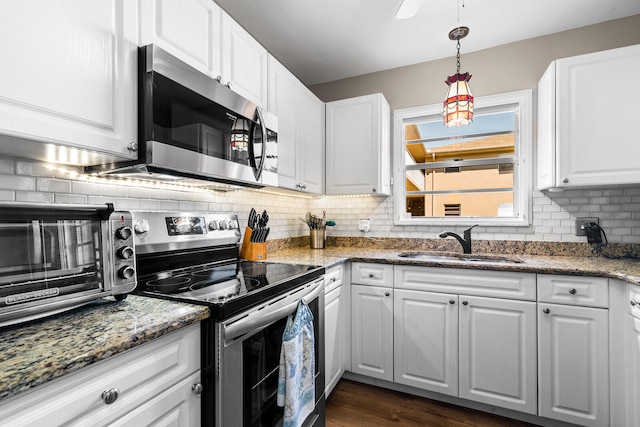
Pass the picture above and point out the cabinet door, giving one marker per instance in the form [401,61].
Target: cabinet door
[426,340]
[498,352]
[283,99]
[357,138]
[593,137]
[546,138]
[311,162]
[372,331]
[177,406]
[244,62]
[190,30]
[68,78]
[632,370]
[574,364]
[333,335]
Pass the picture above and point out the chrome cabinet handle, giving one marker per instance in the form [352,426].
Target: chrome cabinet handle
[371,275]
[110,396]
[546,310]
[197,388]
[374,190]
[132,146]
[465,302]
[451,301]
[386,294]
[572,291]
[565,180]
[333,279]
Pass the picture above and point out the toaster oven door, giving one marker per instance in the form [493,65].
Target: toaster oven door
[44,259]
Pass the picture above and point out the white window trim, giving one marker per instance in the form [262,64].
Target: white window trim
[523,157]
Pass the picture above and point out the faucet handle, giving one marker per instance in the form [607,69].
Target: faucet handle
[468,230]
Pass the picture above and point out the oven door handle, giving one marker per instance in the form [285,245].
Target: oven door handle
[262,316]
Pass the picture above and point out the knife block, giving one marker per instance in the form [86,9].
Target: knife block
[252,251]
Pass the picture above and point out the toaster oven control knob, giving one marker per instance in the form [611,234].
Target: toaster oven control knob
[213,225]
[141,226]
[223,224]
[123,233]
[126,272]
[125,252]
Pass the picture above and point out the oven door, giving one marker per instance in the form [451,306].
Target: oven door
[249,356]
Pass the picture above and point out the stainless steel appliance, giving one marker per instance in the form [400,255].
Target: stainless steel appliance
[193,257]
[55,257]
[193,128]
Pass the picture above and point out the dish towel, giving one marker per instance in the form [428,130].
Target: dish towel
[296,379]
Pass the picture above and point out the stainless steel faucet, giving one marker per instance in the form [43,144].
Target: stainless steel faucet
[465,242]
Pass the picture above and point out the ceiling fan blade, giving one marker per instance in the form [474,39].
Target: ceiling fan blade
[408,8]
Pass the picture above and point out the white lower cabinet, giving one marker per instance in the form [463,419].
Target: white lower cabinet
[426,340]
[498,352]
[335,333]
[372,331]
[153,384]
[480,349]
[573,350]
[632,369]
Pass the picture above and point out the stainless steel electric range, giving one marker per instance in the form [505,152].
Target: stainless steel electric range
[194,257]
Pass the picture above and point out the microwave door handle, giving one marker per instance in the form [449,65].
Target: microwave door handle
[264,316]
[263,126]
[36,229]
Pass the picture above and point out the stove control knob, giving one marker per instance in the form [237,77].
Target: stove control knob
[223,224]
[125,252]
[141,226]
[233,224]
[126,272]
[123,233]
[213,225]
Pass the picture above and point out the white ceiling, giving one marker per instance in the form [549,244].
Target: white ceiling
[326,40]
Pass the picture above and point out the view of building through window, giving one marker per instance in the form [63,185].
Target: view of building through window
[466,171]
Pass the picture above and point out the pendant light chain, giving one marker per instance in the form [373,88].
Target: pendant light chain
[458,58]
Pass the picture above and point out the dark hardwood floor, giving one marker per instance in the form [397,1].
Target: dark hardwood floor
[355,404]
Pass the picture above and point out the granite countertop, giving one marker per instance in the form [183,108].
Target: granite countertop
[42,350]
[627,269]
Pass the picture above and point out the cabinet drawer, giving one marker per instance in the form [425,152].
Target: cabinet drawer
[573,290]
[500,284]
[138,374]
[364,273]
[332,278]
[633,300]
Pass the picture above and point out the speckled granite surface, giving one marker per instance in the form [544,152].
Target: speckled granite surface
[39,351]
[627,269]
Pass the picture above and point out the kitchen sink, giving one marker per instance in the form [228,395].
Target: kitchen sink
[483,258]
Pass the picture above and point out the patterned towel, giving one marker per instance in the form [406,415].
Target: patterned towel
[296,381]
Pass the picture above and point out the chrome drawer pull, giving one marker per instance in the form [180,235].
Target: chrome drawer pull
[110,396]
[572,291]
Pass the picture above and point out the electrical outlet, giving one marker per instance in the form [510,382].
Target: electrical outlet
[365,225]
[582,223]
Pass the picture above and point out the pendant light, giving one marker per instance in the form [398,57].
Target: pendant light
[458,106]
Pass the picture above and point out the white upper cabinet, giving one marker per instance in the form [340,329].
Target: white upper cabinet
[68,79]
[587,120]
[244,62]
[190,30]
[300,131]
[201,34]
[358,146]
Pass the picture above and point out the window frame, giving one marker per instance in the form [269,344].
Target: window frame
[521,103]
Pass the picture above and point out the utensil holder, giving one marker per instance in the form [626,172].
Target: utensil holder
[316,238]
[252,251]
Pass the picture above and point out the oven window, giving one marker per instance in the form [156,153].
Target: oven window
[261,354]
[49,258]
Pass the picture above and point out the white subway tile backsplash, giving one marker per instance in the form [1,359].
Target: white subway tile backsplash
[553,214]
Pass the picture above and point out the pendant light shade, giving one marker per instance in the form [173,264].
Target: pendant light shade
[458,105]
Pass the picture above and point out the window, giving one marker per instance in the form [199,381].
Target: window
[476,174]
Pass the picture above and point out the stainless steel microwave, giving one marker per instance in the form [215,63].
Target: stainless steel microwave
[192,127]
[59,256]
